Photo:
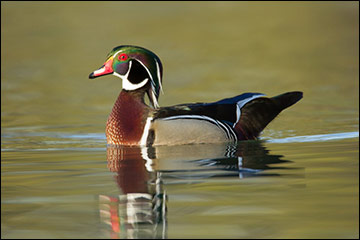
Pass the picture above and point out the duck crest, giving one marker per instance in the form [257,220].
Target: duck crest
[127,120]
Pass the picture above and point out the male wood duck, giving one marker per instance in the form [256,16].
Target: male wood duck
[133,122]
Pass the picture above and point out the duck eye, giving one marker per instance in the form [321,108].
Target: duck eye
[123,57]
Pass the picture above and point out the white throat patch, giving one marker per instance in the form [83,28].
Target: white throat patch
[126,84]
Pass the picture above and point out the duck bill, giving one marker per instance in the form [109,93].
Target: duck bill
[104,70]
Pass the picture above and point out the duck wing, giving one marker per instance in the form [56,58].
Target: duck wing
[240,117]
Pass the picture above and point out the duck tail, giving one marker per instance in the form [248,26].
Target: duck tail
[258,113]
[288,99]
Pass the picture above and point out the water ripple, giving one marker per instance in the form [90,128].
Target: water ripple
[50,141]
[315,138]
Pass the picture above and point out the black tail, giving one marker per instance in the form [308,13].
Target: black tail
[285,100]
[258,113]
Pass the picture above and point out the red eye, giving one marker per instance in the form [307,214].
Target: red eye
[123,57]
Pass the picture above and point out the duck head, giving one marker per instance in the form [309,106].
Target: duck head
[138,68]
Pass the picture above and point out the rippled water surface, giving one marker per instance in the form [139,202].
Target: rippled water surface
[300,180]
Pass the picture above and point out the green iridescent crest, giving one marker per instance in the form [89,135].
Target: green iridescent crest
[124,58]
[136,66]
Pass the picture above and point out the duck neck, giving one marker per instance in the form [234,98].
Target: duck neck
[127,119]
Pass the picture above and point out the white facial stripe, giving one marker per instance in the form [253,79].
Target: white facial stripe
[126,84]
[129,86]
[146,69]
[152,82]
[158,74]
[117,53]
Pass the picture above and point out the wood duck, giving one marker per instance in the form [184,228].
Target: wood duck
[133,122]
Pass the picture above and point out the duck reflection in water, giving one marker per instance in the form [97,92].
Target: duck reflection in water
[141,172]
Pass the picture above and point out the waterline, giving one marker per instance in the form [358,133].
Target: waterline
[315,138]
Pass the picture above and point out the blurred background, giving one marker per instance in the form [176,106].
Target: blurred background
[53,148]
[209,50]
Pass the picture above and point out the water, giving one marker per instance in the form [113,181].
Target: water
[254,189]
[300,180]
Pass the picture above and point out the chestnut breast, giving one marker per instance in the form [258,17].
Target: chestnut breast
[127,119]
